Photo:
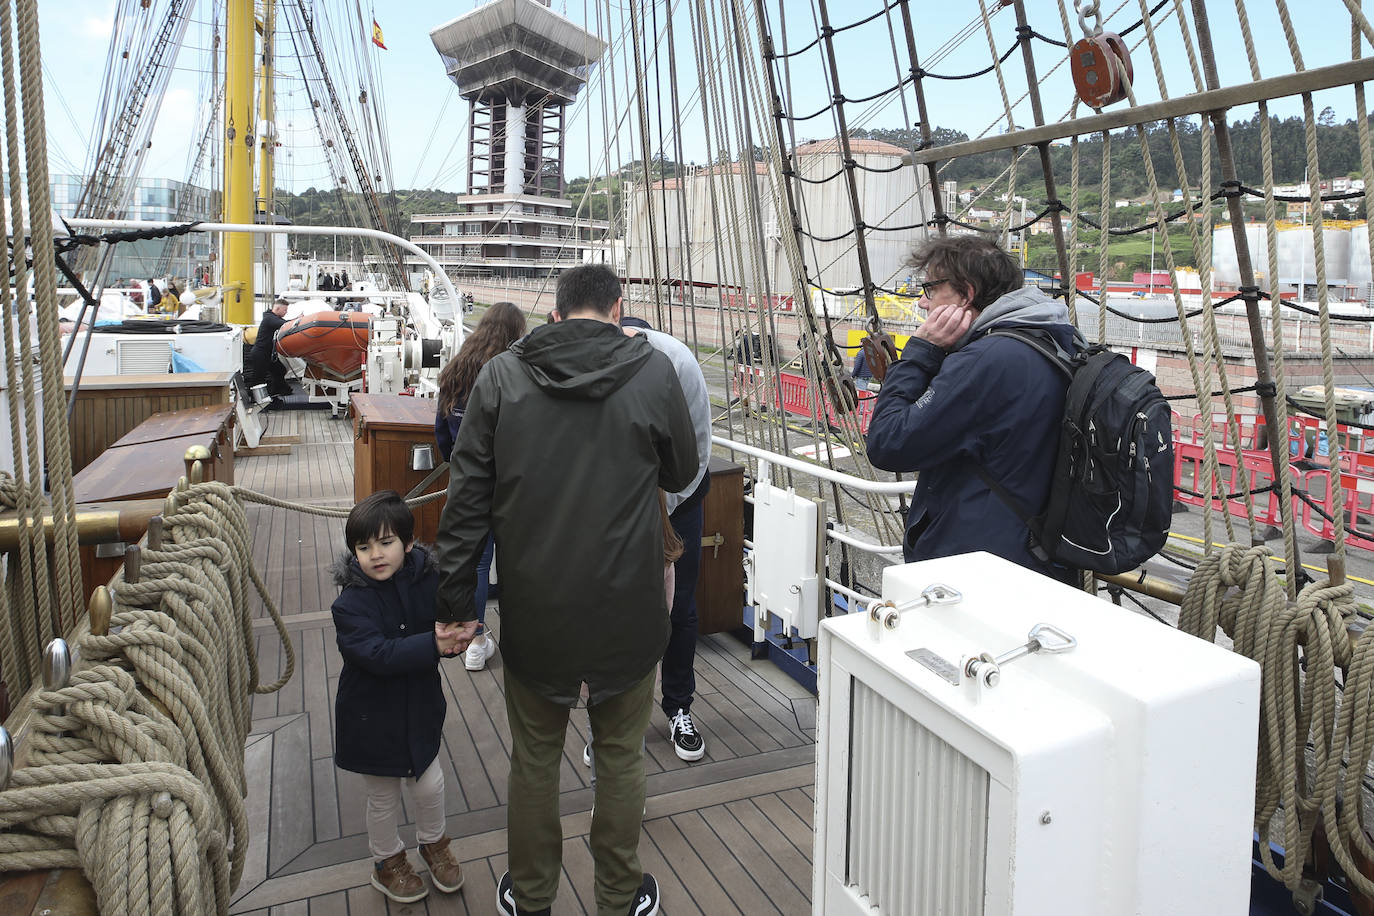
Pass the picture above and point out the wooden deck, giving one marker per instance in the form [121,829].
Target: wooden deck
[731,833]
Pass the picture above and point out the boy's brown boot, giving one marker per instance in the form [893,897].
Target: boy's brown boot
[394,877]
[444,870]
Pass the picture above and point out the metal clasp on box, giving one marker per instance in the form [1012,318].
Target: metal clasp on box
[889,615]
[1043,637]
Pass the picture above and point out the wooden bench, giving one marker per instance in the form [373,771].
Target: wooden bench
[146,463]
[110,406]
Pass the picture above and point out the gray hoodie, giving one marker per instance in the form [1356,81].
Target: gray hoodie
[1027,305]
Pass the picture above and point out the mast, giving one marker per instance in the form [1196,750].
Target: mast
[237,247]
[266,202]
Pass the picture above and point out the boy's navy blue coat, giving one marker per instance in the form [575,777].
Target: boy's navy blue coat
[995,402]
[389,711]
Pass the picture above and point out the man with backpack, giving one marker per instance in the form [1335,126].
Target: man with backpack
[960,399]
[1008,464]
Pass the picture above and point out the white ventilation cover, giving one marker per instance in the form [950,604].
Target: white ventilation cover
[143,357]
[897,810]
[1116,777]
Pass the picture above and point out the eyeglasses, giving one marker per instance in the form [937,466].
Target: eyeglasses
[931,286]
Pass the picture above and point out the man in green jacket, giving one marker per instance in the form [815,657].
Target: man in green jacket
[566,440]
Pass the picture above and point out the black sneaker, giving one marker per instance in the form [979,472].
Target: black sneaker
[646,901]
[687,741]
[505,900]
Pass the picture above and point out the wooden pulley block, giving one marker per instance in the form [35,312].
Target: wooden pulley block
[879,353]
[844,394]
[1102,70]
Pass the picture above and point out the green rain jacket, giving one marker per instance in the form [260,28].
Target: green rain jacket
[567,438]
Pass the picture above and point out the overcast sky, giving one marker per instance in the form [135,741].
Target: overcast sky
[427,131]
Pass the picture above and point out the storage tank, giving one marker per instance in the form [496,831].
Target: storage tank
[1225,263]
[706,220]
[887,198]
[1296,263]
[1360,276]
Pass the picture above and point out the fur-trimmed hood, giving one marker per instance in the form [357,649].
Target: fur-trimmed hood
[345,569]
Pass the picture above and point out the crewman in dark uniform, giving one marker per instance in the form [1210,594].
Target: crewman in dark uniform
[263,363]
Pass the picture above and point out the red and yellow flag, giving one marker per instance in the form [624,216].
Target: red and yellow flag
[377,35]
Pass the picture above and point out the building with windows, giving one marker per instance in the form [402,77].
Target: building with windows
[519,65]
[152,199]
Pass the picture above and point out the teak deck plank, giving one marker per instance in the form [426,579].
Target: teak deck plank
[718,838]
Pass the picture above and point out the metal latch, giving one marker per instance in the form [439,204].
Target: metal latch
[1043,637]
[890,615]
[713,541]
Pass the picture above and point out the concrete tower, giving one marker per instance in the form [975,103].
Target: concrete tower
[519,65]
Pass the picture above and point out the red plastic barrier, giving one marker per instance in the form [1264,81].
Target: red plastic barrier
[1190,473]
[1359,506]
[796,396]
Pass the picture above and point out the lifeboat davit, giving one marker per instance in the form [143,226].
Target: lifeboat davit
[331,343]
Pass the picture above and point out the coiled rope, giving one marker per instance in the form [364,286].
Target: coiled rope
[136,766]
[1303,711]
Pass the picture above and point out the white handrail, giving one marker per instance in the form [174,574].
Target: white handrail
[85,223]
[885,487]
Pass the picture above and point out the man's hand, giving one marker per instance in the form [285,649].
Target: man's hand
[454,637]
[945,325]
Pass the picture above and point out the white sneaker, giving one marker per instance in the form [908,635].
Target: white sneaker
[586,755]
[478,651]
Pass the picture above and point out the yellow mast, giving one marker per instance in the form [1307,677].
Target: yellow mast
[237,247]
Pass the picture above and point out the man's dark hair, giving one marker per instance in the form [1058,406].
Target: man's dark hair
[978,264]
[587,287]
[633,321]
[376,515]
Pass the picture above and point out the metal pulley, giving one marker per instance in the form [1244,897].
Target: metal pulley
[879,350]
[1102,71]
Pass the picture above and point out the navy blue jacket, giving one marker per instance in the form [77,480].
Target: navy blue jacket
[446,428]
[996,402]
[389,711]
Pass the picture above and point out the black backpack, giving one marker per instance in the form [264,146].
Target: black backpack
[1111,499]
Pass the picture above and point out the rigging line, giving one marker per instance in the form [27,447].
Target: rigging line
[746,167]
[51,88]
[658,96]
[684,229]
[830,356]
[847,156]
[1136,319]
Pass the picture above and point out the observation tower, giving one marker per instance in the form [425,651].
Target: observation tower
[519,65]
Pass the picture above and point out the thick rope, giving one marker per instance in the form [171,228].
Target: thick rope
[137,764]
[1298,646]
[56,438]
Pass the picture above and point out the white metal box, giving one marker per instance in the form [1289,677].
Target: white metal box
[1115,777]
[136,354]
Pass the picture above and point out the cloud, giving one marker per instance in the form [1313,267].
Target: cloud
[96,27]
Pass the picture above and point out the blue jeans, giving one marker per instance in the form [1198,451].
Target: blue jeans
[679,659]
[484,582]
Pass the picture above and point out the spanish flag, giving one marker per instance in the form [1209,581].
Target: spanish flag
[377,35]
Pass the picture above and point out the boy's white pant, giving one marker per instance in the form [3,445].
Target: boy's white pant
[384,810]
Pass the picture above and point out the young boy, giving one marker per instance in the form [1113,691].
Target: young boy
[389,711]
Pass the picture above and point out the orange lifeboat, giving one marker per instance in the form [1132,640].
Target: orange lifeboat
[333,344]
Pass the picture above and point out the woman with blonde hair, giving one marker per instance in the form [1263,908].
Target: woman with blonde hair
[502,325]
